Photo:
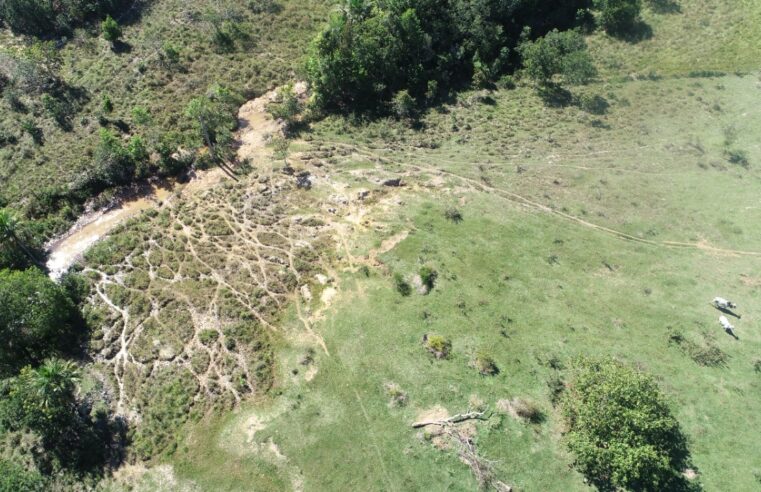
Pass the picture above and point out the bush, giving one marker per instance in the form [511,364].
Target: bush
[15,478]
[485,364]
[454,215]
[527,410]
[618,16]
[401,285]
[439,346]
[208,337]
[43,17]
[428,276]
[397,395]
[558,53]
[403,105]
[620,428]
[111,30]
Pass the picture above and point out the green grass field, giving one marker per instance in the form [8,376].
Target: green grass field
[578,238]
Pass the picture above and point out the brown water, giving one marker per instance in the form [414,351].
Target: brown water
[90,228]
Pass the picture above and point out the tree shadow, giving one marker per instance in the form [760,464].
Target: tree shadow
[635,33]
[666,6]
[120,47]
[555,96]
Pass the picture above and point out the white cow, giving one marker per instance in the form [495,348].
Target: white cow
[726,325]
[721,303]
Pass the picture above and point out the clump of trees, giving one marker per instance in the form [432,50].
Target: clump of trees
[621,429]
[40,17]
[371,51]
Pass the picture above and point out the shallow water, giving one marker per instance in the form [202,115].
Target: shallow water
[64,251]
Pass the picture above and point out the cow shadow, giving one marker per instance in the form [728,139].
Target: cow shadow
[729,312]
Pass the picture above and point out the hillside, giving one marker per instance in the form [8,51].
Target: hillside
[306,303]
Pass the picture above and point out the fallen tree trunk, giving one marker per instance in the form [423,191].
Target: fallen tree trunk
[460,417]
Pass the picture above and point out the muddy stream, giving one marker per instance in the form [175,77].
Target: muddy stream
[255,127]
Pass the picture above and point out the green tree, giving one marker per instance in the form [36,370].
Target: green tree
[559,53]
[214,116]
[111,30]
[114,165]
[618,16]
[621,429]
[37,319]
[10,236]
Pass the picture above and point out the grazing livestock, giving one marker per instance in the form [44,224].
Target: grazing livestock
[727,325]
[721,303]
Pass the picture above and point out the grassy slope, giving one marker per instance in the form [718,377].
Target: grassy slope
[654,167]
[277,43]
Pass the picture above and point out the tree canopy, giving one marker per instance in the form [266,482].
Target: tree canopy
[372,50]
[621,429]
[37,319]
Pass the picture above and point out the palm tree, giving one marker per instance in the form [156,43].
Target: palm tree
[53,384]
[9,229]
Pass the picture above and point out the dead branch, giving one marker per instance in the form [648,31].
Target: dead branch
[455,419]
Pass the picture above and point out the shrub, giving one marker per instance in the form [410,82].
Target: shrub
[618,16]
[439,346]
[15,478]
[403,105]
[454,215]
[397,395]
[593,103]
[401,285]
[620,428]
[110,29]
[106,105]
[528,410]
[739,157]
[428,276]
[558,53]
[208,337]
[485,364]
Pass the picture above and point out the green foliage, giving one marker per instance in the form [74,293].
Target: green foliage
[453,214]
[428,276]
[106,105]
[110,29]
[618,16]
[214,116]
[558,53]
[36,319]
[620,428]
[141,116]
[485,363]
[15,478]
[287,107]
[114,164]
[402,286]
[438,346]
[29,127]
[372,50]
[42,17]
[208,337]
[403,104]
